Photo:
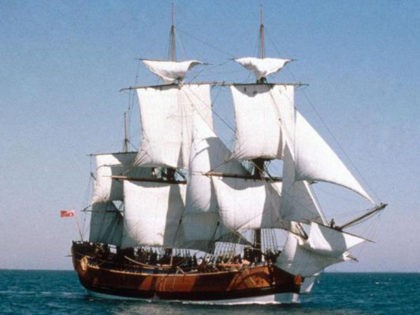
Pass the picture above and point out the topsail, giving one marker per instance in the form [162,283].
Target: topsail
[166,116]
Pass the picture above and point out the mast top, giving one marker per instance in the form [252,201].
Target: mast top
[262,49]
[172,33]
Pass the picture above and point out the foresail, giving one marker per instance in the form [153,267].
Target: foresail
[170,71]
[324,247]
[166,120]
[260,110]
[152,212]
[262,67]
[107,188]
[316,161]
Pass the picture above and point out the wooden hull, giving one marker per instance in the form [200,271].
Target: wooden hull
[235,283]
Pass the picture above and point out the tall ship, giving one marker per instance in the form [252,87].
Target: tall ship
[185,218]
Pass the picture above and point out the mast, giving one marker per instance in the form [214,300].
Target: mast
[259,162]
[262,49]
[125,143]
[170,172]
[172,39]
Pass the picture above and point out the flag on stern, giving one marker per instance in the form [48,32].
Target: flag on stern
[67,213]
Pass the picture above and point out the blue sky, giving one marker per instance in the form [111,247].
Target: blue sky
[63,63]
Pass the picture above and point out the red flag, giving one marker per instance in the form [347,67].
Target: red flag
[67,213]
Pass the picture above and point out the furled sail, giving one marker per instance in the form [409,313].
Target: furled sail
[324,247]
[200,222]
[166,119]
[262,67]
[170,71]
[152,212]
[260,110]
[316,161]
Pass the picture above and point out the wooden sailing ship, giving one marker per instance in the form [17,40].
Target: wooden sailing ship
[186,219]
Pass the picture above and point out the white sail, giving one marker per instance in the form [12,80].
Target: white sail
[170,71]
[329,241]
[166,119]
[316,161]
[201,222]
[324,247]
[107,165]
[262,67]
[153,211]
[106,224]
[248,203]
[208,153]
[260,110]
[298,202]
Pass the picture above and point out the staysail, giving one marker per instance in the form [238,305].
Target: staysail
[316,161]
[298,202]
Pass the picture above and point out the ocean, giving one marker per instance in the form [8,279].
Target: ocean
[59,292]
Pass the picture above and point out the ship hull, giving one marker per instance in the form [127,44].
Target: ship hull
[250,284]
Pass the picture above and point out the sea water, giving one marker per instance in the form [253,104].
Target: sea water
[59,292]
